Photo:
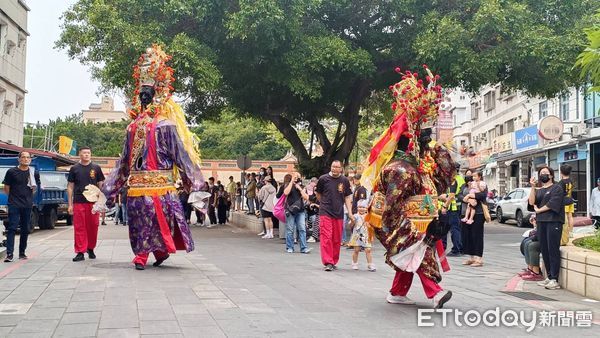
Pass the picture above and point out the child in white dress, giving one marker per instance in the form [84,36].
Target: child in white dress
[361,237]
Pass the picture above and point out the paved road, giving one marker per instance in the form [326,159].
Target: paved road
[236,284]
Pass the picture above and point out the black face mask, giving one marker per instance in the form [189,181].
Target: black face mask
[146,95]
[468,178]
[544,178]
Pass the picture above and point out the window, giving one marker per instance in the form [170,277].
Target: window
[475,110]
[510,126]
[519,194]
[463,142]
[564,107]
[543,106]
[462,97]
[489,100]
[591,108]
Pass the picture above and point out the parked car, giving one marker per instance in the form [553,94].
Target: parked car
[514,206]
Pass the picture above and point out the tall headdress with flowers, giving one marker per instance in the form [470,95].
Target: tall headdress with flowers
[416,104]
[152,69]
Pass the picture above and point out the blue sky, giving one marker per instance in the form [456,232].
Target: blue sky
[56,85]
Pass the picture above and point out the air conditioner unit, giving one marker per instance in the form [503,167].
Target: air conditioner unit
[578,130]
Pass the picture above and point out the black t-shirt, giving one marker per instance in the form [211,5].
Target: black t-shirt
[360,193]
[334,191]
[82,175]
[20,194]
[553,197]
[294,195]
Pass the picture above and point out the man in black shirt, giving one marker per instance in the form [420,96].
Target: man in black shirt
[333,191]
[213,189]
[85,224]
[360,193]
[19,184]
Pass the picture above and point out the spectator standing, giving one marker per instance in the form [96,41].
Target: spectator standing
[548,202]
[85,224]
[251,193]
[122,203]
[238,196]
[231,194]
[473,233]
[295,214]
[567,185]
[266,196]
[452,208]
[212,200]
[333,191]
[312,213]
[221,200]
[270,173]
[595,204]
[20,183]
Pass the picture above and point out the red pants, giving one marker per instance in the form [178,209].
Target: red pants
[331,238]
[142,258]
[403,280]
[85,227]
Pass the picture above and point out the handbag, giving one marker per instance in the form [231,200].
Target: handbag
[296,207]
[279,208]
[486,212]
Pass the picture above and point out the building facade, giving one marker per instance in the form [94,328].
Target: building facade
[512,134]
[103,112]
[13,52]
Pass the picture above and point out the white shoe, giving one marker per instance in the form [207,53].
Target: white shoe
[544,282]
[310,240]
[441,298]
[552,285]
[261,234]
[399,300]
[371,268]
[354,266]
[266,236]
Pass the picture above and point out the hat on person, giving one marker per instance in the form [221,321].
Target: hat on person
[362,203]
[267,178]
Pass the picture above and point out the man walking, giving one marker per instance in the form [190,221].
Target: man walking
[20,183]
[85,224]
[333,191]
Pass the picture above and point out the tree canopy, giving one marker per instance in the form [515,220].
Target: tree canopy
[296,62]
[225,138]
[589,59]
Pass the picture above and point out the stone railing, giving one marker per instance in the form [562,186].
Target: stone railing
[580,271]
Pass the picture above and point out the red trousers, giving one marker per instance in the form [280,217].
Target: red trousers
[85,227]
[142,258]
[330,232]
[403,281]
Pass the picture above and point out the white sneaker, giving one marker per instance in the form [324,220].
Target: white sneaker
[399,300]
[544,282]
[552,285]
[441,298]
[354,266]
[371,268]
[261,234]
[310,240]
[266,236]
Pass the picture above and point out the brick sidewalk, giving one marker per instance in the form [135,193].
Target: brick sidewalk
[236,284]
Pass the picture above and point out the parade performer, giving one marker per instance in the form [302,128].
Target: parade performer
[159,149]
[406,170]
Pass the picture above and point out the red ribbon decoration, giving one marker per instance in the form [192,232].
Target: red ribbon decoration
[442,255]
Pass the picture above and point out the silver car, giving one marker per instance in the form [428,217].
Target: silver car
[514,206]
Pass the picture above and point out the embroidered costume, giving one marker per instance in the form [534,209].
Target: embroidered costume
[406,171]
[159,149]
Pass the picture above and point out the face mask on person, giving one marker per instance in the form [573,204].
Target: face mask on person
[544,178]
[468,178]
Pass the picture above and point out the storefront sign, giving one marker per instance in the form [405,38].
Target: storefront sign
[571,154]
[502,144]
[551,128]
[526,139]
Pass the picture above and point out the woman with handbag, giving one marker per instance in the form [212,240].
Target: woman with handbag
[295,212]
[473,233]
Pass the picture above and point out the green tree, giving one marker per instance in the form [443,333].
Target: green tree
[296,63]
[589,59]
